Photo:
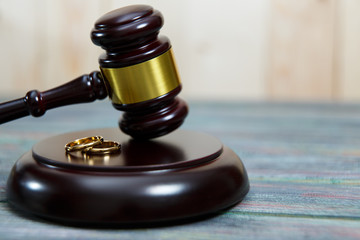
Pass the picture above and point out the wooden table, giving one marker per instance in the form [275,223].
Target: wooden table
[303,161]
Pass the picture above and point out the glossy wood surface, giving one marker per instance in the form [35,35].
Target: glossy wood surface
[155,117]
[174,177]
[171,152]
[130,36]
[179,176]
[86,88]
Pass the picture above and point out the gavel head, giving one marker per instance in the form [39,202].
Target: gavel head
[139,71]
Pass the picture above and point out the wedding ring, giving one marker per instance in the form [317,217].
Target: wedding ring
[83,143]
[106,147]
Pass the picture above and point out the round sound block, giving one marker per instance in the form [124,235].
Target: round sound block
[182,175]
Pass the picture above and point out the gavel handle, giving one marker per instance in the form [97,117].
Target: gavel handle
[86,88]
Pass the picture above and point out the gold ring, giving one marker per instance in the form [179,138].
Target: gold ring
[82,143]
[106,147]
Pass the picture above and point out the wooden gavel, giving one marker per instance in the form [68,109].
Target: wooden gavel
[138,73]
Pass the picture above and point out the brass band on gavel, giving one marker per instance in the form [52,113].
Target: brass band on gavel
[143,81]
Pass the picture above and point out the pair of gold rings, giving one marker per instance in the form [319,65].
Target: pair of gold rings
[93,145]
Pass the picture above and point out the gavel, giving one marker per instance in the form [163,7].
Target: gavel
[137,72]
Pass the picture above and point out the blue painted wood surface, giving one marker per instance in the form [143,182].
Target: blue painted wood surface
[303,162]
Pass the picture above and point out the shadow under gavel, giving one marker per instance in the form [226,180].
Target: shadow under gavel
[138,73]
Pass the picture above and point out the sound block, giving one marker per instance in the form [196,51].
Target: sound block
[179,176]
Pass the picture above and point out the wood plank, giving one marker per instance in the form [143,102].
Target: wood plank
[22,39]
[301,42]
[219,47]
[302,161]
[292,50]
[70,52]
[348,34]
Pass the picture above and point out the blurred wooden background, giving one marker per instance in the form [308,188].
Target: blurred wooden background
[225,50]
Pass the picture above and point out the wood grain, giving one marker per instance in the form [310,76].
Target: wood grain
[262,49]
[301,53]
[348,56]
[302,160]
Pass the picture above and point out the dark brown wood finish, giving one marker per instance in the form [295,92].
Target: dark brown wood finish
[153,118]
[191,174]
[178,176]
[86,88]
[130,36]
